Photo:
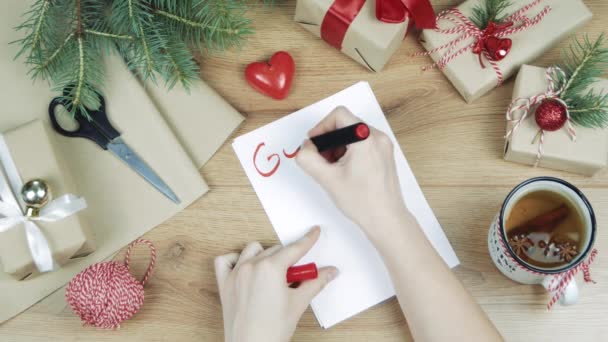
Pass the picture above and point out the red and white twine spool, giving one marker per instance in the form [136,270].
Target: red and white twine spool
[105,294]
[467,29]
[525,104]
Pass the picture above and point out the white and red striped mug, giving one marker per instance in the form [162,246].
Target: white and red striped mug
[558,281]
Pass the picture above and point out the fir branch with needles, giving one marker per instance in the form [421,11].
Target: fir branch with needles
[65,40]
[583,63]
[490,11]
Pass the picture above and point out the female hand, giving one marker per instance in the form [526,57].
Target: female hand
[257,303]
[361,178]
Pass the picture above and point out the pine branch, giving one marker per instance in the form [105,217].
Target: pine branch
[490,10]
[80,79]
[195,24]
[589,110]
[108,35]
[41,18]
[43,68]
[138,20]
[228,15]
[583,62]
[66,39]
[77,99]
[35,24]
[216,25]
[177,64]
[54,36]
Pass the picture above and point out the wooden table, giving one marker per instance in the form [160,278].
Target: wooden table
[454,149]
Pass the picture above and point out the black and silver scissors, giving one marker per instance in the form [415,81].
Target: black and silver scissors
[98,128]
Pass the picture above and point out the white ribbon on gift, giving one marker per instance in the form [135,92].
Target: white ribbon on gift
[11,214]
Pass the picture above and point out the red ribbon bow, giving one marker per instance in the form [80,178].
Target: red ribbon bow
[342,13]
[496,47]
[396,11]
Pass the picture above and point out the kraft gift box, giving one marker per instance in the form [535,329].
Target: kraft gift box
[35,158]
[465,71]
[587,155]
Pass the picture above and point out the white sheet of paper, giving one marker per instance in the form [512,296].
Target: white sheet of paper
[294,203]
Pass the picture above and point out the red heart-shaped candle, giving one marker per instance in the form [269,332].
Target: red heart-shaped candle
[272,78]
[498,48]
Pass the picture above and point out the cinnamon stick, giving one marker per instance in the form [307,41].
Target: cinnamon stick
[544,223]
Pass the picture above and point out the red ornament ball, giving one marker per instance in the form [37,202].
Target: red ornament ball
[551,115]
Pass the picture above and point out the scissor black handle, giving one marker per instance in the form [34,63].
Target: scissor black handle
[95,127]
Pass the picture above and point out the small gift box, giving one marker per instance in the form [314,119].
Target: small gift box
[572,148]
[368,31]
[477,59]
[34,240]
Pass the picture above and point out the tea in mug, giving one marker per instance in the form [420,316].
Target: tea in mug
[545,229]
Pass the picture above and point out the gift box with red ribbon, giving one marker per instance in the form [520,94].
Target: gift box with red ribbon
[368,31]
[476,60]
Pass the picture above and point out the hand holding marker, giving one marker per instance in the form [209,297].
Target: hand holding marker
[325,142]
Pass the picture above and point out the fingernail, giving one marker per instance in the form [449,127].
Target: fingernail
[332,274]
[341,107]
[314,230]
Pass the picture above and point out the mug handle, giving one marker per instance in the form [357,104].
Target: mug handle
[570,295]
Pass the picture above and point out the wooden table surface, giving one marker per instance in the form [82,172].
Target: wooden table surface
[453,148]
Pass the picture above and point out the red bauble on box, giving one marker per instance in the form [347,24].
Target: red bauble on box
[551,115]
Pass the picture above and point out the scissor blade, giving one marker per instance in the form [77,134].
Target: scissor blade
[124,152]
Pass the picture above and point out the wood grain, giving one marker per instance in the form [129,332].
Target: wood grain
[453,148]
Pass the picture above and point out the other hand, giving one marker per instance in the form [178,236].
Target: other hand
[257,303]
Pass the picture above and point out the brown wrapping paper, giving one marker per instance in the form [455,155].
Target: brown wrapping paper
[121,205]
[200,118]
[465,72]
[368,40]
[34,157]
[587,155]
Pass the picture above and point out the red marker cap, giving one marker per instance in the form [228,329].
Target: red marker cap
[300,273]
[341,137]
[362,131]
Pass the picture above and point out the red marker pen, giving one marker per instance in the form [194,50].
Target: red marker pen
[341,137]
[296,274]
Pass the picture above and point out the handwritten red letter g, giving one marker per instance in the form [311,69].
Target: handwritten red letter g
[274,155]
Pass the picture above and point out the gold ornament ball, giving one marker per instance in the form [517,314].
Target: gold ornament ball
[35,194]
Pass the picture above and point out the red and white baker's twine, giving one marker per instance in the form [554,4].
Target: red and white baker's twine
[152,258]
[559,282]
[467,29]
[105,294]
[525,104]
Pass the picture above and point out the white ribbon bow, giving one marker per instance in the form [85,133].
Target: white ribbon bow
[11,214]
